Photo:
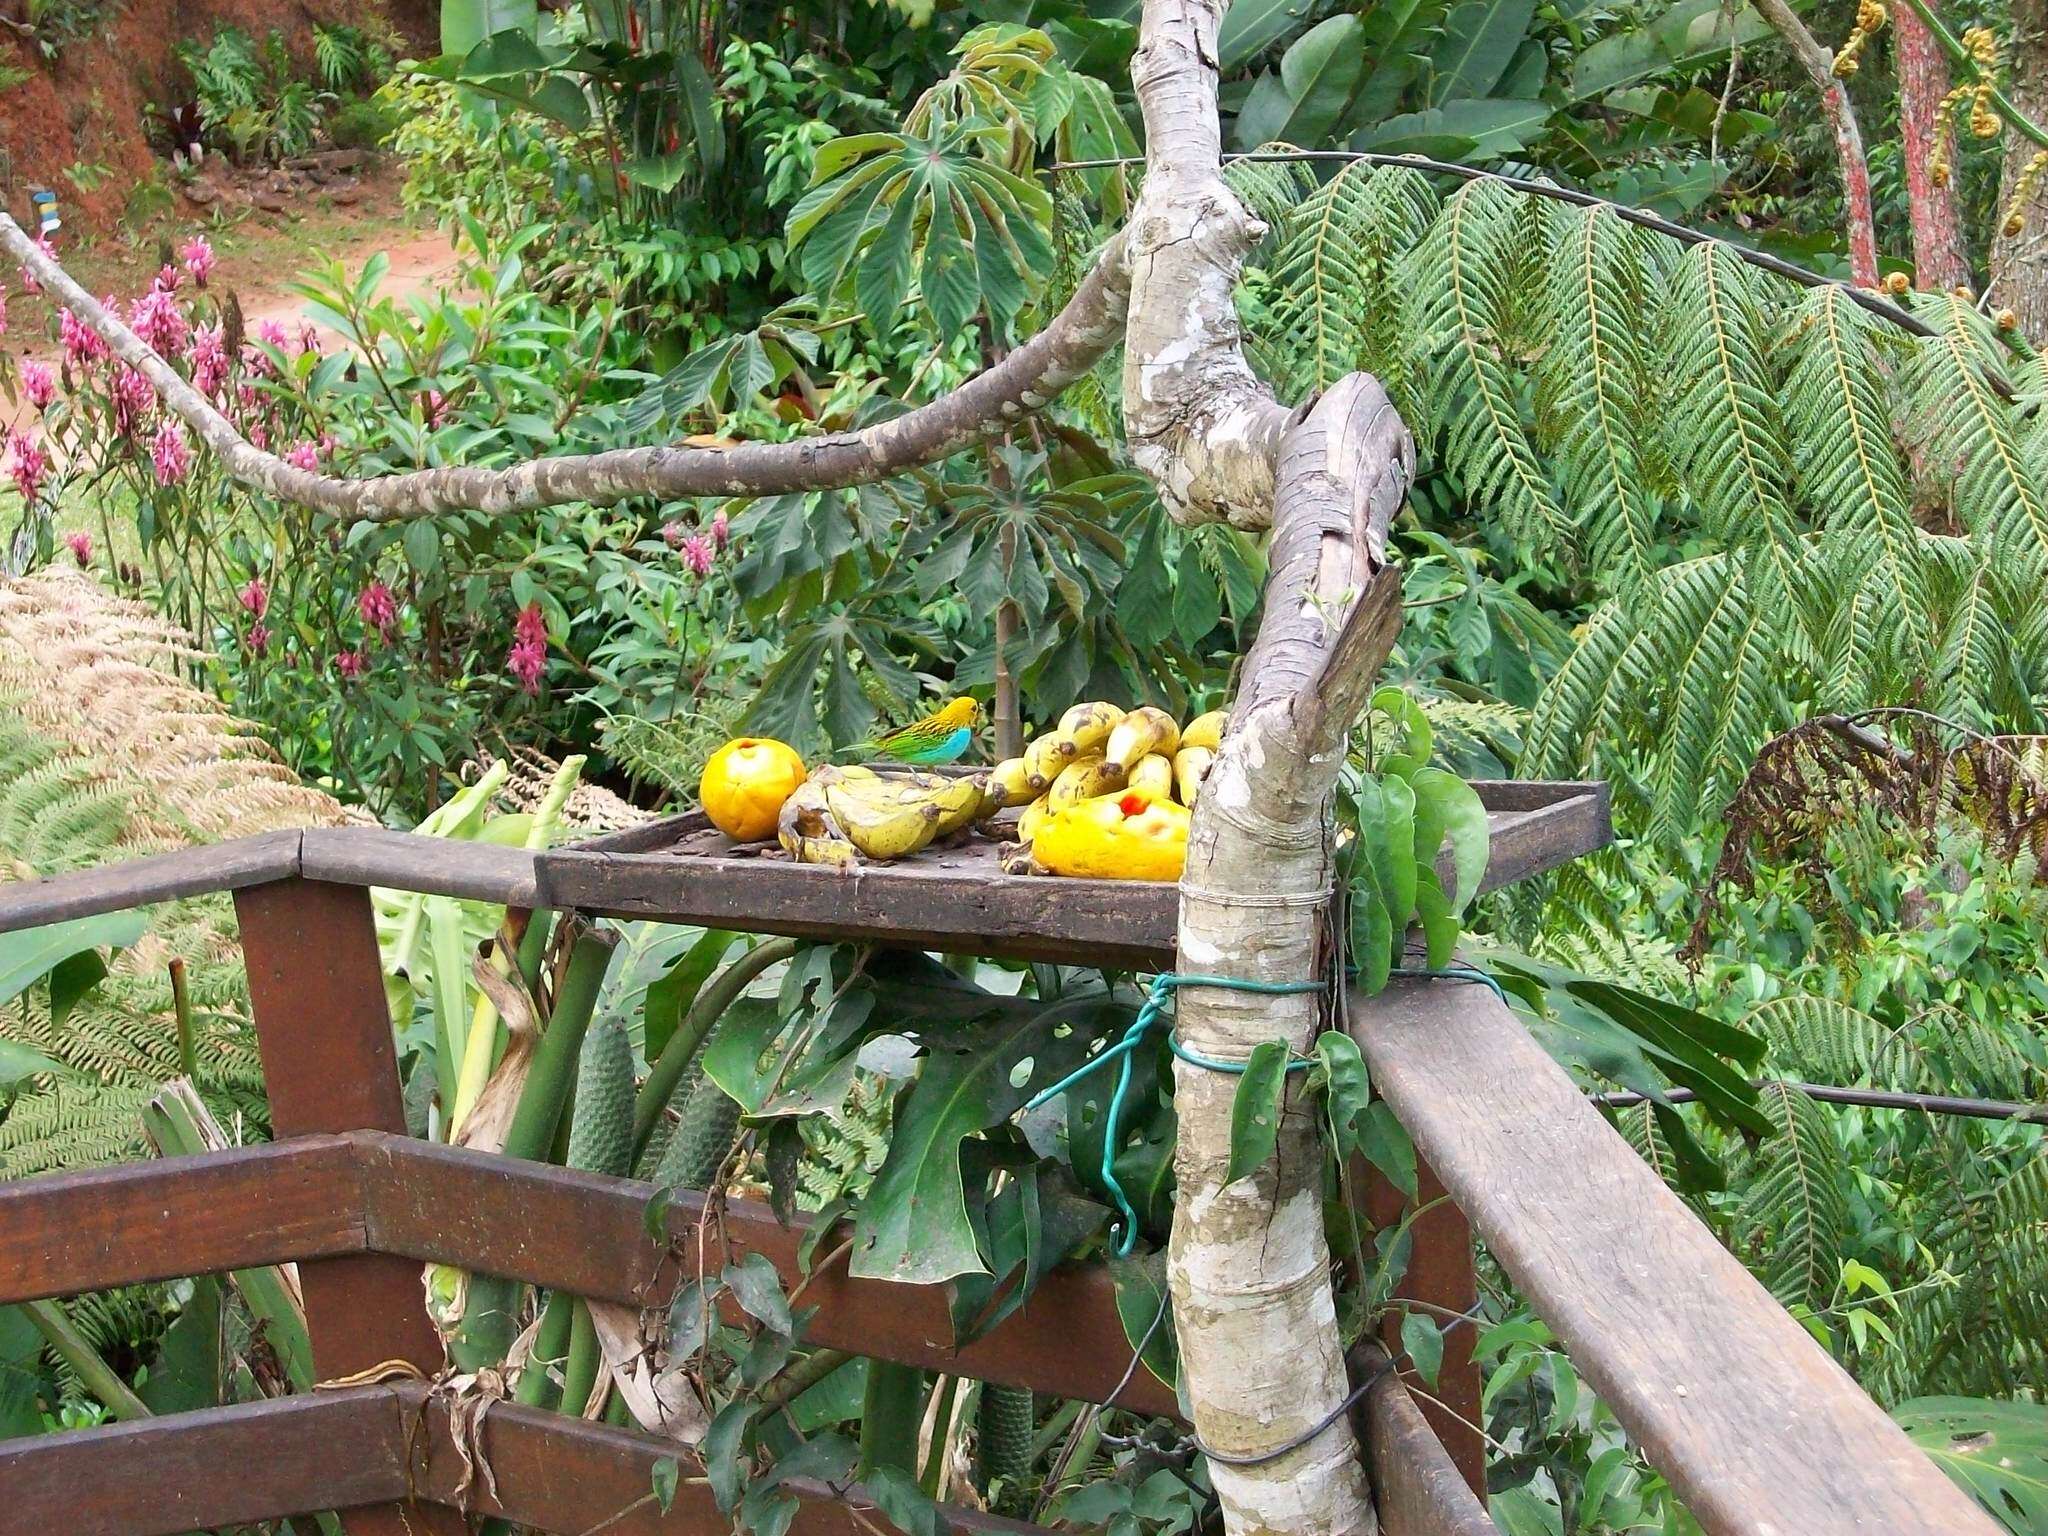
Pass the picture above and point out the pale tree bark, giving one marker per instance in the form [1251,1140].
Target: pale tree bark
[1253,1304]
[2019,261]
[1940,258]
[1027,380]
[1859,224]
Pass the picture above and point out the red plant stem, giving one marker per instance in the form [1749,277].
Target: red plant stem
[1939,257]
[1819,65]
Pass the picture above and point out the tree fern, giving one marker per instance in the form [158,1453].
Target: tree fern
[1463,283]
[1594,379]
[1794,1210]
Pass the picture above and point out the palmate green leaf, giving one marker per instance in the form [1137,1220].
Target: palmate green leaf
[1996,1451]
[914,1224]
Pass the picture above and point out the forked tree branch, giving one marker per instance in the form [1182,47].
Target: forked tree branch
[1858,218]
[1029,378]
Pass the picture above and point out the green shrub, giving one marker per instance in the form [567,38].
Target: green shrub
[362,124]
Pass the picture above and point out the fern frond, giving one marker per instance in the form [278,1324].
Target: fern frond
[1461,281]
[1594,382]
[1794,1208]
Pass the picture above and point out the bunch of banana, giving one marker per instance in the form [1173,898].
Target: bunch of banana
[841,815]
[1098,749]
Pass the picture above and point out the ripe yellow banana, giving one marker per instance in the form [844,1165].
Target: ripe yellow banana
[1205,731]
[1083,779]
[808,831]
[1043,761]
[1084,728]
[1190,766]
[1033,818]
[891,817]
[1153,777]
[1143,731]
[1007,785]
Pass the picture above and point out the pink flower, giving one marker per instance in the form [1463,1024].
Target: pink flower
[255,597]
[26,461]
[159,320]
[199,259]
[530,628]
[697,554]
[303,456]
[133,399]
[350,664]
[259,637]
[672,534]
[81,548]
[527,662]
[82,345]
[378,608]
[209,360]
[39,384]
[721,531]
[167,279]
[309,337]
[169,455]
[437,408]
[271,334]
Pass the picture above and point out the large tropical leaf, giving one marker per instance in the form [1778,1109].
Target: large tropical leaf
[1998,1451]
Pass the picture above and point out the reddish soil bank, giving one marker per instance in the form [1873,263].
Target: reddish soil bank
[90,107]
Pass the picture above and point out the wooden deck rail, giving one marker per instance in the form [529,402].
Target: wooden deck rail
[1758,1429]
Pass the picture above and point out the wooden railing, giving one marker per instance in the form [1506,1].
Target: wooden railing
[1754,1424]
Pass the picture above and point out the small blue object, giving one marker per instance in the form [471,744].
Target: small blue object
[45,205]
[1150,1016]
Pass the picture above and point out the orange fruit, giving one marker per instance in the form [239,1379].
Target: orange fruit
[745,783]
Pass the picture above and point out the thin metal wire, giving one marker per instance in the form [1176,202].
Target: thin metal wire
[1869,1098]
[1791,271]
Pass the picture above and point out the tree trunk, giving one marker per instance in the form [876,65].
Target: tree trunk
[1262,1365]
[1860,227]
[1940,258]
[2019,263]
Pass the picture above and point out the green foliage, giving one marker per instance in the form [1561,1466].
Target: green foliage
[249,101]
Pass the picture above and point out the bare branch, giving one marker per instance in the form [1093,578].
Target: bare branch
[1819,65]
[1028,379]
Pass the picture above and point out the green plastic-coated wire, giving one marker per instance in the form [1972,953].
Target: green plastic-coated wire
[1164,985]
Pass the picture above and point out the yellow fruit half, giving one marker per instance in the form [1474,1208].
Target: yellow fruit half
[1115,837]
[745,783]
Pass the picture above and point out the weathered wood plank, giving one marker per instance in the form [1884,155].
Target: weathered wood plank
[568,1476]
[316,989]
[1758,1430]
[957,900]
[1417,1487]
[212,1470]
[178,1216]
[158,877]
[402,861]
[1440,1276]
[586,1233]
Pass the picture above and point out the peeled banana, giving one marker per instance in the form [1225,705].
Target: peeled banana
[808,831]
[1205,730]
[888,818]
[1143,731]
[1083,779]
[1190,766]
[1153,777]
[1084,728]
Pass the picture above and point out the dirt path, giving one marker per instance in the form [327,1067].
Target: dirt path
[257,263]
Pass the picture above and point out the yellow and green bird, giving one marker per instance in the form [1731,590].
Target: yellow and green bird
[942,737]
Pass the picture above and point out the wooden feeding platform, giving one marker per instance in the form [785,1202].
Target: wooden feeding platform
[957,899]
